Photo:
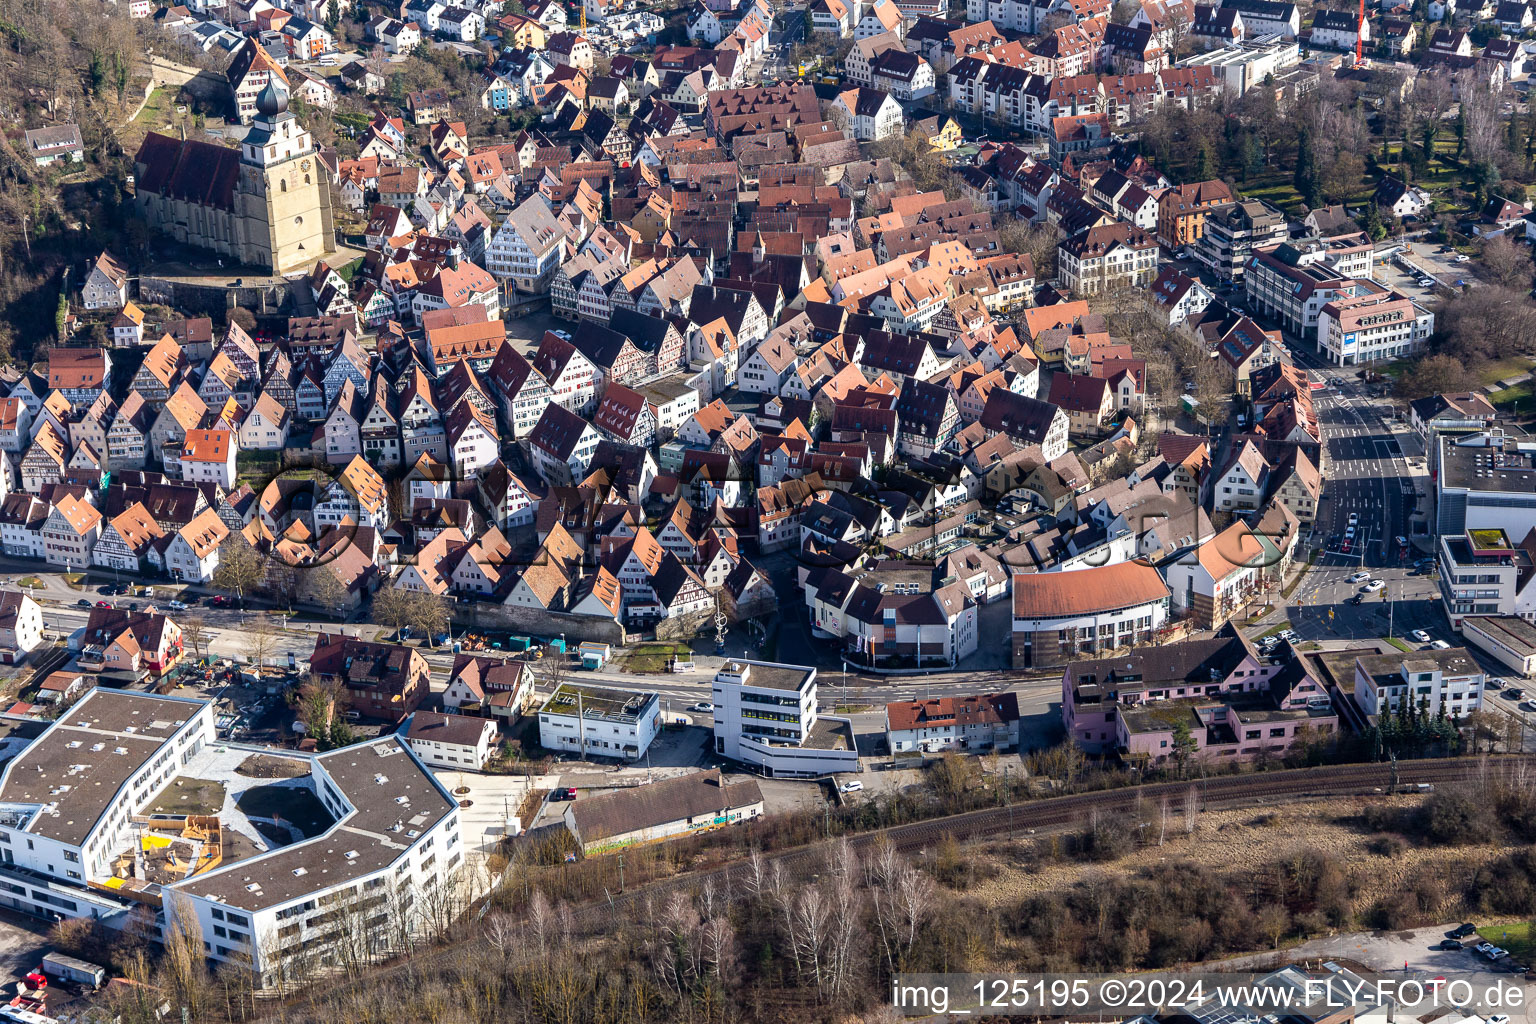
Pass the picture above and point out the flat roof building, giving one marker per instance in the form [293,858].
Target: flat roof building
[1509,640]
[766,715]
[594,721]
[1486,479]
[80,838]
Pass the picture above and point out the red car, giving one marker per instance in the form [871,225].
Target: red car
[220,601]
[103,604]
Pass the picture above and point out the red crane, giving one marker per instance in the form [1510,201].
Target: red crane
[1360,36]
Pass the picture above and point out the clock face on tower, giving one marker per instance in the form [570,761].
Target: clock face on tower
[303,165]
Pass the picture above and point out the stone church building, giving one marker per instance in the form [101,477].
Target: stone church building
[266,204]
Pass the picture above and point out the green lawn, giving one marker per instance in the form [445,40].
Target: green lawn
[159,109]
[1399,644]
[653,657]
[1516,938]
[256,468]
[1497,371]
[1509,396]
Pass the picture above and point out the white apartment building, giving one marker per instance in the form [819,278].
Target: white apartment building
[1367,328]
[21,626]
[395,837]
[1432,681]
[1245,65]
[66,799]
[593,721]
[765,715]
[451,741]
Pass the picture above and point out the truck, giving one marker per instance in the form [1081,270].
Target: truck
[68,968]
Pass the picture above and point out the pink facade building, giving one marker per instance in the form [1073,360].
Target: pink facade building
[1235,702]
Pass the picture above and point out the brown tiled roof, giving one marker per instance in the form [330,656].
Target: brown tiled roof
[1048,595]
[200,173]
[992,708]
[76,367]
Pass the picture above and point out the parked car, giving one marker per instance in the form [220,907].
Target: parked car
[1496,954]
[1450,944]
[1421,636]
[1463,931]
[178,606]
[1483,947]
[83,603]
[103,604]
[563,793]
[851,787]
[1440,645]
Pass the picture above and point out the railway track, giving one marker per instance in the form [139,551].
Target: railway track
[804,863]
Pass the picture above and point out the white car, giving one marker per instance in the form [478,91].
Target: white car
[1359,577]
[1374,585]
[1463,259]
[1349,534]
[1421,636]
[851,787]
[703,707]
[1440,645]
[178,606]
[1354,519]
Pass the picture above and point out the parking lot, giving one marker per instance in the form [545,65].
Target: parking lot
[23,942]
[1414,950]
[1421,260]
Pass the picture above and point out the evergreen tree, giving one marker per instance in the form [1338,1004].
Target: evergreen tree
[1373,225]
[1461,133]
[1253,156]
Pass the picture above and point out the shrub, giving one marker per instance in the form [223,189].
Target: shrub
[1453,818]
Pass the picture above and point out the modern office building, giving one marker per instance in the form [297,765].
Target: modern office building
[1378,324]
[593,721]
[766,715]
[1485,480]
[1484,572]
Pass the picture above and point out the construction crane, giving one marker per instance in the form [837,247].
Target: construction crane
[1359,37]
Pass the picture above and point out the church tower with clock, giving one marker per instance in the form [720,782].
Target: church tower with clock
[282,201]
